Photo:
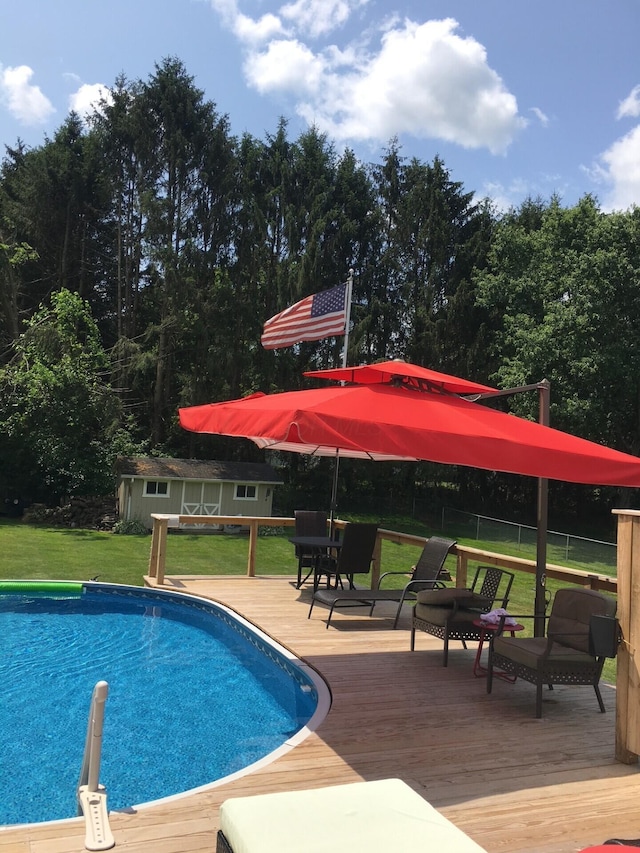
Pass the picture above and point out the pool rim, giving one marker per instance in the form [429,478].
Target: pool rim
[321,687]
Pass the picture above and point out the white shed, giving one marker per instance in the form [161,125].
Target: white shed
[193,487]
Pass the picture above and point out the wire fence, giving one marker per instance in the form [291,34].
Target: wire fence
[562,548]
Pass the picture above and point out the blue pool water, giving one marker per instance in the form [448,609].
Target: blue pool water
[194,695]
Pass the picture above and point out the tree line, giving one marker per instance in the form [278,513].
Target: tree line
[142,250]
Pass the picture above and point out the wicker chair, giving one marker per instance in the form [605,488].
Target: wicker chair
[426,574]
[308,523]
[573,652]
[354,557]
[450,613]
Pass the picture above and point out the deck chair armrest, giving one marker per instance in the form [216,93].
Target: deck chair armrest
[519,617]
[386,574]
[410,582]
[416,584]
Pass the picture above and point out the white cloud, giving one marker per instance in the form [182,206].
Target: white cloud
[619,168]
[285,65]
[424,80]
[247,30]
[24,100]
[504,197]
[87,98]
[319,17]
[630,107]
[542,117]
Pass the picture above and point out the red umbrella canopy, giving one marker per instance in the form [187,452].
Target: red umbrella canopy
[403,373]
[385,422]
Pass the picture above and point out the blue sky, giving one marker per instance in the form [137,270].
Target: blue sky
[518,98]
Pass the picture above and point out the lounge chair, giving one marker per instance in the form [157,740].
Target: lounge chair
[308,523]
[450,613]
[574,650]
[377,816]
[425,575]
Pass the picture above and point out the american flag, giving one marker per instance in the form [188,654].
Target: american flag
[312,319]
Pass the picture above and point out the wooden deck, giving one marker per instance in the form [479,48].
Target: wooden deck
[513,783]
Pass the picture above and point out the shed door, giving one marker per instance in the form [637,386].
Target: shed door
[200,498]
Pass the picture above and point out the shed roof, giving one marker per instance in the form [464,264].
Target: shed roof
[196,469]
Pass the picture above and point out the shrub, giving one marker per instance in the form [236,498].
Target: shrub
[130,528]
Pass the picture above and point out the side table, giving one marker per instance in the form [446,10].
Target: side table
[486,630]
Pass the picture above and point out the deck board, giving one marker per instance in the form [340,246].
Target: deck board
[513,783]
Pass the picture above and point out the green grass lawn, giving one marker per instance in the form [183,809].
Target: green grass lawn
[34,552]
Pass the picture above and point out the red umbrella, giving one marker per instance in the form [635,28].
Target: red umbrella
[402,422]
[399,411]
[398,372]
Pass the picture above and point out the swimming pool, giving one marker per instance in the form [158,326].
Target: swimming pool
[196,695]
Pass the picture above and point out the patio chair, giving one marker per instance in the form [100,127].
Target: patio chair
[308,523]
[425,575]
[450,613]
[573,651]
[354,557]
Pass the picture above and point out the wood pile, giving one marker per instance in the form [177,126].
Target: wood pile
[89,513]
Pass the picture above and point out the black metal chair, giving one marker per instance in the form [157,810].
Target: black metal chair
[425,575]
[354,558]
[573,651]
[450,613]
[308,523]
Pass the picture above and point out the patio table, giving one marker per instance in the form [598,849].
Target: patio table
[321,546]
[487,629]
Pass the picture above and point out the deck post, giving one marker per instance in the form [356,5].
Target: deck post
[160,548]
[628,659]
[251,559]
[462,567]
[153,553]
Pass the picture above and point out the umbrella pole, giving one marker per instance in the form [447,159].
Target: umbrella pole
[334,493]
[540,606]
[542,518]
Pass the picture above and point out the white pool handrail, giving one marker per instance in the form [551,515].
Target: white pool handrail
[92,796]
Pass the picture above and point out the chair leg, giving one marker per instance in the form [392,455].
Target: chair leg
[596,687]
[490,671]
[413,637]
[330,614]
[395,622]
[538,700]
[445,651]
[313,601]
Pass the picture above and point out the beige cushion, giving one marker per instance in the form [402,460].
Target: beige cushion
[452,595]
[435,615]
[378,817]
[528,651]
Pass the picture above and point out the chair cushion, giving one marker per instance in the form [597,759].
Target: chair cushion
[373,816]
[528,651]
[570,614]
[454,595]
[435,615]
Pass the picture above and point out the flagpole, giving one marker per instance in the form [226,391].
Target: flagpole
[347,319]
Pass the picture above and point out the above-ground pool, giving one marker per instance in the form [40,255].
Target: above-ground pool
[196,694]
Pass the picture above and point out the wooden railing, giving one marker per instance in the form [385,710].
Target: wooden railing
[464,554]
